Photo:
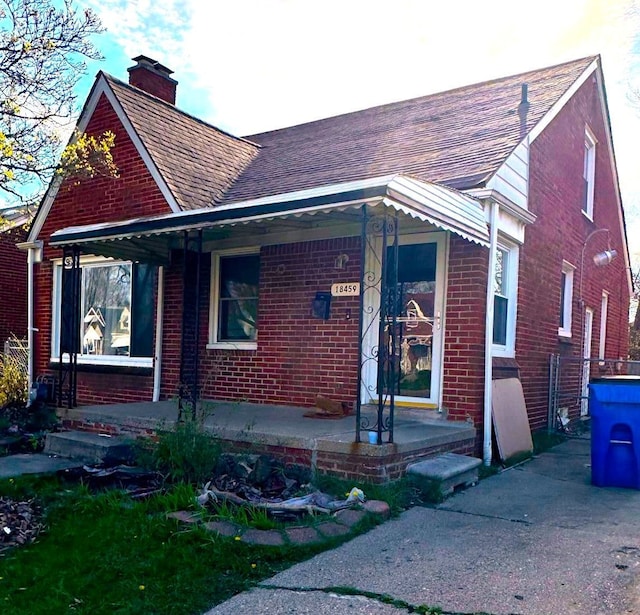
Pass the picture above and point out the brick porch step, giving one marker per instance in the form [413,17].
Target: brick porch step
[448,471]
[87,447]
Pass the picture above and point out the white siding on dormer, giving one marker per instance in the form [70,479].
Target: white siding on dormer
[512,178]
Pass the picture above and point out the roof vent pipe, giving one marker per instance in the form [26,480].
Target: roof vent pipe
[523,109]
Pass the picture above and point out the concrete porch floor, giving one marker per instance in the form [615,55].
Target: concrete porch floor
[324,444]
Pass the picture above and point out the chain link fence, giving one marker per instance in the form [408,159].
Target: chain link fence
[14,373]
[16,352]
[569,379]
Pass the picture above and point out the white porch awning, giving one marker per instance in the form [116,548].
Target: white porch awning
[151,238]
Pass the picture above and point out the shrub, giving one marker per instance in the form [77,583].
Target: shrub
[14,381]
[186,453]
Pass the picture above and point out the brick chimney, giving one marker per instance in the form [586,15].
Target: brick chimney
[153,77]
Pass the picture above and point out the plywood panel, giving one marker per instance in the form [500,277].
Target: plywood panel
[510,421]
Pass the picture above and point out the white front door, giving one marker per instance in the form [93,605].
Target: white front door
[586,365]
[419,322]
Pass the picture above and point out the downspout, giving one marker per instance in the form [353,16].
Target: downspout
[157,356]
[30,323]
[34,255]
[488,338]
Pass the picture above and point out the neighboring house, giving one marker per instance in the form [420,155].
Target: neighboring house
[252,268]
[13,289]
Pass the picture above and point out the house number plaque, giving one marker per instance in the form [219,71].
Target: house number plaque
[345,289]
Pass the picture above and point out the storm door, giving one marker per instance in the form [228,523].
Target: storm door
[414,314]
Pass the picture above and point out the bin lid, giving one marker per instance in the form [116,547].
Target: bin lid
[621,379]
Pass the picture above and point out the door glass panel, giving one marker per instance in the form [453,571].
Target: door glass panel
[414,312]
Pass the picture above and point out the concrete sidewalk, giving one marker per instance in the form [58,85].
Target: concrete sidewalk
[34,463]
[537,539]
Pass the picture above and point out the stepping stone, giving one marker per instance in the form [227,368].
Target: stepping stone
[331,529]
[184,516]
[378,508]
[448,471]
[302,535]
[350,517]
[224,528]
[272,538]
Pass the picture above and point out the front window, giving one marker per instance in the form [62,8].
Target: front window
[234,300]
[106,310]
[505,290]
[115,313]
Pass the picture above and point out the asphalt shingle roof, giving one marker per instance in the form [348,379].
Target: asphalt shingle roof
[459,138]
[198,161]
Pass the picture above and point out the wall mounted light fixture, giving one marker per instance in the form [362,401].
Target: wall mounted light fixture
[341,261]
[604,258]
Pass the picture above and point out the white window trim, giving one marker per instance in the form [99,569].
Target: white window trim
[590,162]
[604,311]
[567,308]
[56,302]
[509,348]
[213,343]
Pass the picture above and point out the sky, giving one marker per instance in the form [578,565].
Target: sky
[248,66]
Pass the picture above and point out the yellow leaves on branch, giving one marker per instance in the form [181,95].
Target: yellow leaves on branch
[88,156]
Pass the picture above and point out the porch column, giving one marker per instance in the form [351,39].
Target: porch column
[379,304]
[188,393]
[69,328]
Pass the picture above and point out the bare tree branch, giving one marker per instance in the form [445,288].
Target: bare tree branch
[43,53]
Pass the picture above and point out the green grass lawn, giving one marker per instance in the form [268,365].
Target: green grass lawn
[106,554]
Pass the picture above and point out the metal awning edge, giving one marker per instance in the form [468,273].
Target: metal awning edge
[432,203]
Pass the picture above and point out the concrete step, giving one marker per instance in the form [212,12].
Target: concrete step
[88,447]
[446,472]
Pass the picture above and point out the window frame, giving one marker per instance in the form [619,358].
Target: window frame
[508,349]
[56,313]
[589,172]
[604,314]
[566,299]
[214,302]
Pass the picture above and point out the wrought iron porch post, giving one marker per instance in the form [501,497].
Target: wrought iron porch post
[396,353]
[69,328]
[363,256]
[188,393]
[375,234]
[383,347]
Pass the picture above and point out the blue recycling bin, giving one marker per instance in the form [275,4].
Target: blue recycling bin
[614,405]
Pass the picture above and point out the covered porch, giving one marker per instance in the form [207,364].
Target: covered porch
[323,445]
[380,214]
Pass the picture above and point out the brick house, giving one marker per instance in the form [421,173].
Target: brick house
[403,255]
[13,291]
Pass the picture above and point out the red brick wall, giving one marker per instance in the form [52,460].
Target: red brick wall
[101,199]
[463,386]
[13,289]
[556,169]
[298,357]
[153,84]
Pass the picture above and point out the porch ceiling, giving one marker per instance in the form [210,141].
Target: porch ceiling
[332,209]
